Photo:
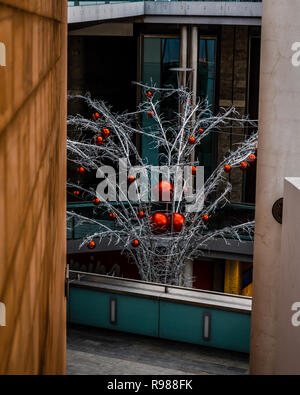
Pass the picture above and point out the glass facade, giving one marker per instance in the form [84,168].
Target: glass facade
[159,55]
[206,81]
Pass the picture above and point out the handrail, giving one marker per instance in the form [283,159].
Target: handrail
[166,292]
[75,3]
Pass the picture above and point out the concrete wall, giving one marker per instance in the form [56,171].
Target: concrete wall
[278,157]
[205,12]
[287,358]
[32,179]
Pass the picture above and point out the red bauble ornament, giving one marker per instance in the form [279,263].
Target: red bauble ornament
[135,243]
[112,216]
[91,245]
[227,168]
[96,202]
[243,165]
[159,222]
[150,114]
[96,116]
[141,214]
[99,140]
[194,170]
[251,158]
[76,193]
[165,189]
[177,222]
[201,131]
[192,140]
[80,170]
[131,179]
[205,218]
[149,94]
[105,133]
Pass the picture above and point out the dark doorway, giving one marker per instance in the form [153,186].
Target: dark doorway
[105,67]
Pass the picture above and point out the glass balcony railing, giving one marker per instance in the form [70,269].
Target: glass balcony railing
[90,2]
[231,214]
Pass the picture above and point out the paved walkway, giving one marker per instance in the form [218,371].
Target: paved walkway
[104,352]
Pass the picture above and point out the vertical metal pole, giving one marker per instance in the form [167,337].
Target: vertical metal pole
[194,66]
[194,60]
[183,54]
[181,76]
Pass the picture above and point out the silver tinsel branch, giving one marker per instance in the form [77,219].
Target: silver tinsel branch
[159,256]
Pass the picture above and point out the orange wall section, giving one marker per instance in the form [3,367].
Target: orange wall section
[32,186]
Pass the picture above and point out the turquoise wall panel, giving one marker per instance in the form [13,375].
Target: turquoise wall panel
[134,315]
[168,320]
[180,322]
[229,330]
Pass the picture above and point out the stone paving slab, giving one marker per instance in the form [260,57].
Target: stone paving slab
[103,352]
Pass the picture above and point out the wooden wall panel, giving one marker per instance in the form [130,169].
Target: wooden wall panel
[32,186]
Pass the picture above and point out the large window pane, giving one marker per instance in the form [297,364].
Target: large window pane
[206,89]
[160,54]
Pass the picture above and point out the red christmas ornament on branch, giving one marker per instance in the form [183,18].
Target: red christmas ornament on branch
[251,158]
[177,220]
[192,140]
[99,140]
[76,193]
[159,222]
[135,243]
[150,114]
[149,94]
[194,170]
[112,216]
[96,202]
[227,168]
[243,165]
[141,214]
[165,190]
[91,245]
[105,133]
[131,179]
[96,116]
[205,218]
[201,131]
[80,170]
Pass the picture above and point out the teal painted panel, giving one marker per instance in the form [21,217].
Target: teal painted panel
[180,322]
[229,330]
[134,315]
[174,321]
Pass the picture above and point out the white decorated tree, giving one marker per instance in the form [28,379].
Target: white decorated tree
[160,217]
